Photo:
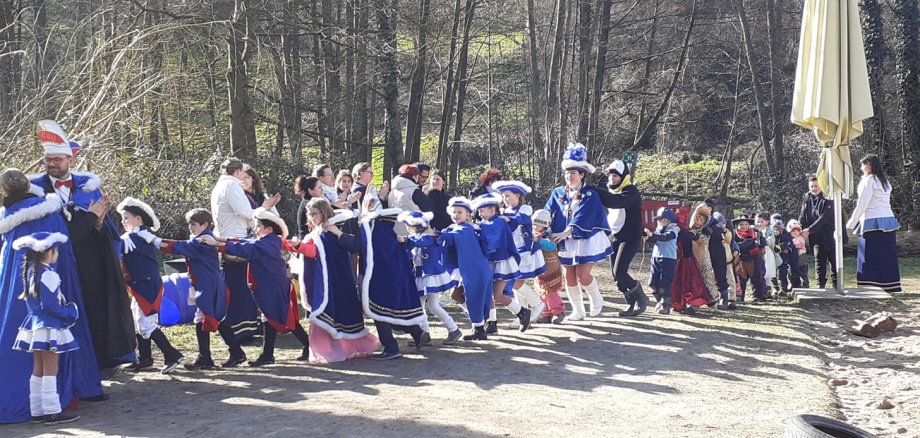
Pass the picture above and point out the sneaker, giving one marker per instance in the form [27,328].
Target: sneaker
[557,319]
[514,325]
[732,306]
[171,365]
[60,418]
[138,366]
[201,364]
[233,361]
[581,316]
[491,327]
[664,310]
[545,319]
[262,360]
[304,355]
[690,310]
[524,318]
[453,337]
[424,339]
[37,420]
[478,334]
[386,355]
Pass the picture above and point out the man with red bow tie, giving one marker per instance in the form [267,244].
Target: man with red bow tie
[94,238]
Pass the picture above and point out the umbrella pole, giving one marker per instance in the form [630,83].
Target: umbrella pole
[838,241]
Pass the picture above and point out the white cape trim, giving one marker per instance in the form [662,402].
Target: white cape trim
[317,311]
[421,320]
[52,204]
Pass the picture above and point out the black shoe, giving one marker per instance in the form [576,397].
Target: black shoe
[60,418]
[37,420]
[96,398]
[479,334]
[139,365]
[453,337]
[233,361]
[262,360]
[628,312]
[524,318]
[641,299]
[732,306]
[171,365]
[491,327]
[557,319]
[201,364]
[723,305]
[690,310]
[304,355]
[423,339]
[386,355]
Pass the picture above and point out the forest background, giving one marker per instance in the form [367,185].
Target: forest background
[159,92]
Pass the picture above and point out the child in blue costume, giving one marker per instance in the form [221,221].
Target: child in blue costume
[664,258]
[498,242]
[389,295]
[327,285]
[464,254]
[46,330]
[532,264]
[431,277]
[142,276]
[210,292]
[580,229]
[270,285]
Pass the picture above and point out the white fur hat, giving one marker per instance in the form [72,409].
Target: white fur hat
[53,138]
[341,215]
[793,224]
[262,213]
[511,186]
[145,209]
[487,200]
[459,201]
[576,157]
[415,217]
[39,242]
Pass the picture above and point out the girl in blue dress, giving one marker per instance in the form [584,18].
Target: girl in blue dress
[46,330]
[532,264]
[498,241]
[431,277]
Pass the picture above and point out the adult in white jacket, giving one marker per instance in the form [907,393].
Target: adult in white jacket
[874,222]
[233,219]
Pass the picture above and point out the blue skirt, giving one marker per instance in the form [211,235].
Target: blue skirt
[877,261]
[242,313]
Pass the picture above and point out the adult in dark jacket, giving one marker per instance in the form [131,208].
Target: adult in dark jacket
[717,255]
[817,219]
[439,200]
[485,182]
[624,202]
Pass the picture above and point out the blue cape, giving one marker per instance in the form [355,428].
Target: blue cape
[388,292]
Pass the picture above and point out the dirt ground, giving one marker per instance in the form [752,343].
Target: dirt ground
[739,374]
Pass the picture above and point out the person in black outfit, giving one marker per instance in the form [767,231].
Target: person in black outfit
[439,200]
[485,182]
[717,255]
[817,219]
[625,221]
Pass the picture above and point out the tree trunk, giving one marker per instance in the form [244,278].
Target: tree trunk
[585,49]
[759,96]
[554,77]
[876,131]
[417,90]
[331,78]
[907,57]
[360,118]
[536,97]
[449,92]
[393,155]
[643,108]
[646,133]
[242,127]
[775,34]
[600,72]
[462,84]
[725,174]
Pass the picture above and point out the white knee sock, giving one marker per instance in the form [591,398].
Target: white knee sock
[576,299]
[492,315]
[513,306]
[433,305]
[51,403]
[35,396]
[594,297]
[526,295]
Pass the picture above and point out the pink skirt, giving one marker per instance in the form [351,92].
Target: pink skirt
[326,349]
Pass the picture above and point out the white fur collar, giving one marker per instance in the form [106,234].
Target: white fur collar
[51,204]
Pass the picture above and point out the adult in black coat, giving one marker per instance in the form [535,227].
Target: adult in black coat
[439,199]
